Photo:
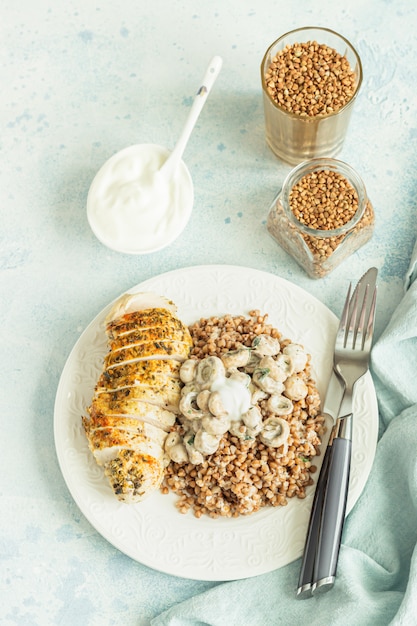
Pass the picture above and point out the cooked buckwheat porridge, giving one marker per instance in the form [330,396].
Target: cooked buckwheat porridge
[250,423]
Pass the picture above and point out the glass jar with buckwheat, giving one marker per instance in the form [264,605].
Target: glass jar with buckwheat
[311,78]
[322,215]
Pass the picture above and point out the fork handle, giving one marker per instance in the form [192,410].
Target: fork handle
[334,507]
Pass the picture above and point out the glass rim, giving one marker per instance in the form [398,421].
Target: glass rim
[316,165]
[308,118]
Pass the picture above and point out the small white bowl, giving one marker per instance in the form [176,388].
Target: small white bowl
[132,208]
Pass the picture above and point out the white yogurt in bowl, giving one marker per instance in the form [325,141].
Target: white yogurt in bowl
[134,208]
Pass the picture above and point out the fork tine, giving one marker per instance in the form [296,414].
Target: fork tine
[362,326]
[343,325]
[365,327]
[370,325]
[357,320]
[354,319]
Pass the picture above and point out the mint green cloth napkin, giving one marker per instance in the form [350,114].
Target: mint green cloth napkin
[377,574]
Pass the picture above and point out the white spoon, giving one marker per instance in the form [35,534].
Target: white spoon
[212,72]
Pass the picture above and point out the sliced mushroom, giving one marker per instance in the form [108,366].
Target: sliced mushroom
[189,387]
[171,440]
[295,388]
[175,448]
[253,363]
[252,418]
[236,358]
[298,356]
[206,443]
[280,367]
[239,430]
[279,404]
[188,370]
[215,404]
[202,400]
[241,377]
[262,378]
[209,369]
[189,407]
[285,363]
[194,456]
[257,394]
[265,345]
[275,432]
[178,453]
[215,426]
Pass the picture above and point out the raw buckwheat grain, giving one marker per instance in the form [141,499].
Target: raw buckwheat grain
[310,79]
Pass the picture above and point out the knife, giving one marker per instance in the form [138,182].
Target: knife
[341,441]
[331,408]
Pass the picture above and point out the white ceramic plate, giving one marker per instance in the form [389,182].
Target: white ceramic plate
[154,532]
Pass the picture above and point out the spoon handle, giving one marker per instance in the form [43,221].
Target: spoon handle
[210,76]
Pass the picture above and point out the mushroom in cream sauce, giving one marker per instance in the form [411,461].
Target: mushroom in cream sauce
[209,370]
[263,379]
[279,404]
[221,395]
[188,369]
[236,358]
[264,345]
[297,355]
[175,448]
[295,388]
[275,432]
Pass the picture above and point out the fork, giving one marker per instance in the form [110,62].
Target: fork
[351,361]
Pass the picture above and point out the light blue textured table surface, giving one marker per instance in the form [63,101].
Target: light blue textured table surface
[79,81]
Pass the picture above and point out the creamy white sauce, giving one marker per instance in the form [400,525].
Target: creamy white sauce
[132,207]
[235,396]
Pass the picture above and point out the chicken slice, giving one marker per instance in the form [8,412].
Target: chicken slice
[132,379]
[157,333]
[134,426]
[142,321]
[139,304]
[141,411]
[166,396]
[103,441]
[140,310]
[133,475]
[140,367]
[157,349]
[134,463]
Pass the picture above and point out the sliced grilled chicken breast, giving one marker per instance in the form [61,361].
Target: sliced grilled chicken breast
[137,396]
